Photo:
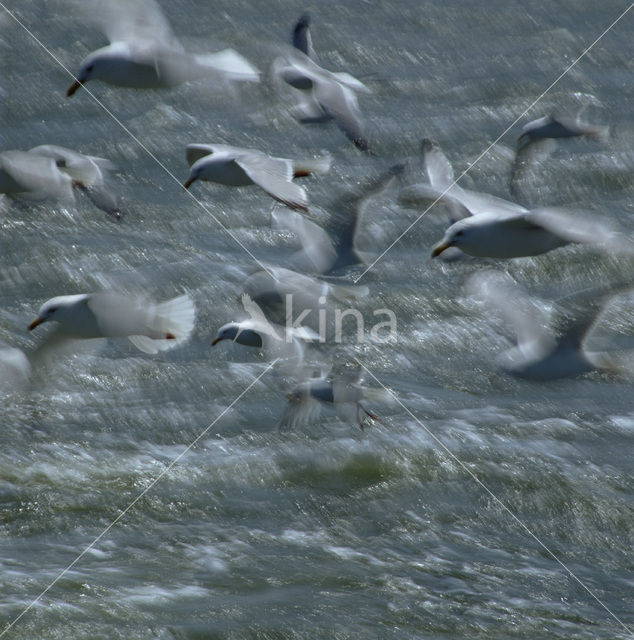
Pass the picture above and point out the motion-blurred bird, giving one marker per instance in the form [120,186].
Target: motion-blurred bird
[321,95]
[541,353]
[235,166]
[346,239]
[538,140]
[343,391]
[279,343]
[144,53]
[150,327]
[51,172]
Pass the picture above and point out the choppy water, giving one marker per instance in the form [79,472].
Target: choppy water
[324,532]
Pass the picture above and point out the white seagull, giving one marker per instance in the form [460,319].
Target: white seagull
[150,327]
[277,342]
[51,172]
[537,142]
[541,353]
[322,95]
[144,53]
[490,227]
[343,391]
[236,166]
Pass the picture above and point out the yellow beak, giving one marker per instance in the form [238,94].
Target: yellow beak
[35,323]
[73,87]
[439,248]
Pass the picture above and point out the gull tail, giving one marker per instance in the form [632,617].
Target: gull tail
[312,165]
[173,319]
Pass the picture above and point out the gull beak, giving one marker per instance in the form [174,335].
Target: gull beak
[188,183]
[73,87]
[439,248]
[35,323]
[215,341]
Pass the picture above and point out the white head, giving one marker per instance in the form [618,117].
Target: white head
[236,333]
[56,309]
[102,64]
[453,237]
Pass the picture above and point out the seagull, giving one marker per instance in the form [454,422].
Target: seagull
[322,95]
[235,166]
[495,235]
[559,126]
[144,53]
[30,176]
[542,354]
[343,391]
[150,327]
[537,142]
[289,297]
[51,172]
[279,343]
[486,226]
[89,175]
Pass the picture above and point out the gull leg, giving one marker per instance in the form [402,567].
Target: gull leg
[360,420]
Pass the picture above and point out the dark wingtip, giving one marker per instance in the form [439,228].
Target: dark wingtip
[301,36]
[303,21]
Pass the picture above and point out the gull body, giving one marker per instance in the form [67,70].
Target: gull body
[324,95]
[486,226]
[344,392]
[538,231]
[30,176]
[321,95]
[150,327]
[559,126]
[279,343]
[237,166]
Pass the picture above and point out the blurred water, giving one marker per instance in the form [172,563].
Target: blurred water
[325,532]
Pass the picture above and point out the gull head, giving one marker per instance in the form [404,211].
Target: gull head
[235,332]
[453,238]
[89,69]
[56,309]
[113,64]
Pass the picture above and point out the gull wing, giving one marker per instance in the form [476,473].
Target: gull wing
[578,313]
[196,151]
[134,21]
[505,298]
[436,165]
[318,253]
[275,176]
[576,227]
[340,103]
